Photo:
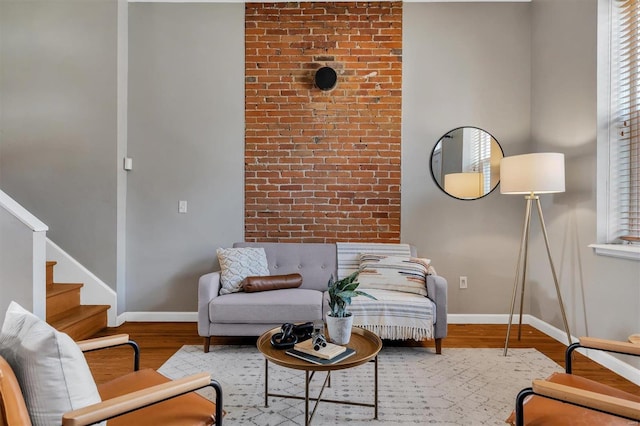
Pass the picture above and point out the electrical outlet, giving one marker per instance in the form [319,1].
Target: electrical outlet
[463,282]
[182,206]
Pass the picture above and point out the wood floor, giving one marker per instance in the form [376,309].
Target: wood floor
[158,341]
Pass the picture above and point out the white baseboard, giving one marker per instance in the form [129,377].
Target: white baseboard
[623,369]
[480,319]
[160,316]
[121,319]
[605,359]
[549,329]
[614,364]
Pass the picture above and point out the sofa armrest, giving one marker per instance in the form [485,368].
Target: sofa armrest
[143,398]
[610,345]
[112,341]
[208,289]
[103,342]
[588,399]
[437,292]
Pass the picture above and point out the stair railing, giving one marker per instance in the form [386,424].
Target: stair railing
[22,258]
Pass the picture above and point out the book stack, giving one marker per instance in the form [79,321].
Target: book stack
[329,354]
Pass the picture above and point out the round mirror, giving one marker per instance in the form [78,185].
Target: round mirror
[465,163]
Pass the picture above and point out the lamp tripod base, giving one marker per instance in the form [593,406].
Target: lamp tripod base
[522,266]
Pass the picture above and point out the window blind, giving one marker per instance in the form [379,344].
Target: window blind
[624,159]
[481,156]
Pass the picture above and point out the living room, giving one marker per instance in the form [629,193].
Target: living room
[86,84]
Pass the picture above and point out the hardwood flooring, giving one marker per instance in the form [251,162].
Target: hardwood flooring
[158,341]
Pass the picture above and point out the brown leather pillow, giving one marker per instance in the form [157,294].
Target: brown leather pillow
[271,282]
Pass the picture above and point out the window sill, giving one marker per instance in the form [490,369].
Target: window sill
[623,251]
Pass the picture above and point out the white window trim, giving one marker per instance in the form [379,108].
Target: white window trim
[625,251]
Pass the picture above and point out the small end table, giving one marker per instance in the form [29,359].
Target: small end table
[365,343]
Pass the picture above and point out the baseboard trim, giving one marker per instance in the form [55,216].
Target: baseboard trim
[620,367]
[161,316]
[549,329]
[607,360]
[121,319]
[481,319]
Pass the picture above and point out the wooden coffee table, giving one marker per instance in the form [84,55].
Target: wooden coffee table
[366,344]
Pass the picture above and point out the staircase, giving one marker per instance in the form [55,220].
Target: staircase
[66,314]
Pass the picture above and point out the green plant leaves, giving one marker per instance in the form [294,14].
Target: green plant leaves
[362,293]
[341,292]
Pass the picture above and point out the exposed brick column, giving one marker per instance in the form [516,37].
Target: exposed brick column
[323,166]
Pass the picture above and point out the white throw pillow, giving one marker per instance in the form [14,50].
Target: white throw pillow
[397,273]
[50,367]
[236,264]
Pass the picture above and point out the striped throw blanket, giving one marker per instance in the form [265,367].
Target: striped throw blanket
[394,315]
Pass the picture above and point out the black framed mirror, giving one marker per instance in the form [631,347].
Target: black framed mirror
[465,163]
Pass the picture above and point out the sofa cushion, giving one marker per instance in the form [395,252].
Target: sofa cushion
[316,262]
[396,273]
[237,264]
[348,254]
[53,374]
[276,306]
[271,282]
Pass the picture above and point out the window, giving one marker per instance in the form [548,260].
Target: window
[481,156]
[619,124]
[625,138]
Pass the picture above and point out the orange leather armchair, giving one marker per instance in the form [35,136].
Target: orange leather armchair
[142,397]
[567,399]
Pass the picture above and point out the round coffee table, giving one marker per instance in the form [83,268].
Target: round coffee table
[365,343]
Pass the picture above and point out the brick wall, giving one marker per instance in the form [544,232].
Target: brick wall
[323,166]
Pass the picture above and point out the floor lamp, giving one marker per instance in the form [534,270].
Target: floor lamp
[532,174]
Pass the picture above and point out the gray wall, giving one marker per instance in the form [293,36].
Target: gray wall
[601,294]
[465,65]
[186,137]
[525,72]
[58,122]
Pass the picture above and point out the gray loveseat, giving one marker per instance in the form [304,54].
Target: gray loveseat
[251,314]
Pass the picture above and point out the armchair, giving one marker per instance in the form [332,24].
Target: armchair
[142,397]
[573,400]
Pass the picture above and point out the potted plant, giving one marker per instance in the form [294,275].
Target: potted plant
[339,319]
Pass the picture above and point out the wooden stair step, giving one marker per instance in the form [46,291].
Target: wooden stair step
[82,321]
[62,297]
[61,288]
[49,272]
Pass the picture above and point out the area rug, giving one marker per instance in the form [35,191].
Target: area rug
[459,387]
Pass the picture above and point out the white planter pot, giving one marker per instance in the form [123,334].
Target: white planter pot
[339,329]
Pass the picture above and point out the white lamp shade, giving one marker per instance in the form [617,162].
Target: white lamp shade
[540,173]
[464,185]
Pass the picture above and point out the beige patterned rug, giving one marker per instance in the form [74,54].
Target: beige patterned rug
[459,387]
